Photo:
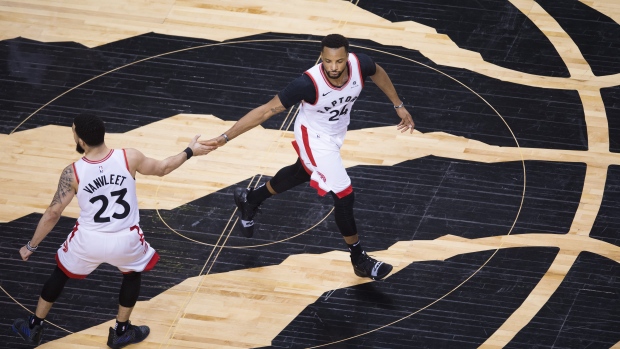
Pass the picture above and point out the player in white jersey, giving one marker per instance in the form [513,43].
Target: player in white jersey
[107,230]
[327,92]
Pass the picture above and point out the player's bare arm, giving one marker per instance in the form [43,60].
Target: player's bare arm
[138,162]
[382,80]
[250,120]
[67,186]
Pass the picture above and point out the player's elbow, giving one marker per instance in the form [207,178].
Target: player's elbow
[164,170]
[162,173]
[53,213]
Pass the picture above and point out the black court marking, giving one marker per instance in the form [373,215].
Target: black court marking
[594,33]
[582,313]
[205,81]
[496,29]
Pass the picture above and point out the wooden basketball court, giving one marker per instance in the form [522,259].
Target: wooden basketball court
[499,213]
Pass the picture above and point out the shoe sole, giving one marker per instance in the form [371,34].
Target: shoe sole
[237,195]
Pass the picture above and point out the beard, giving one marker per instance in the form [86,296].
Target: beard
[79,149]
[333,74]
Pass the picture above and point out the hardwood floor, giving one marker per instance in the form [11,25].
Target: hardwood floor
[499,213]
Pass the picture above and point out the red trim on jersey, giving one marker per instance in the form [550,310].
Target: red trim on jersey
[126,162]
[75,172]
[329,84]
[316,88]
[68,273]
[345,192]
[98,161]
[304,136]
[296,146]
[359,69]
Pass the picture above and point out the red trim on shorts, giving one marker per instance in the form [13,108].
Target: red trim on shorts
[75,172]
[304,136]
[296,146]
[75,228]
[126,162]
[68,273]
[149,266]
[314,184]
[135,227]
[152,262]
[345,192]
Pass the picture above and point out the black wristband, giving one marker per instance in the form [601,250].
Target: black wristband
[189,152]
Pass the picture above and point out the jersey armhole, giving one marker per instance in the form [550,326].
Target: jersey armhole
[316,89]
[359,68]
[126,162]
[75,173]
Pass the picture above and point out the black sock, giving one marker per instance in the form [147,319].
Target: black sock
[121,327]
[356,250]
[34,321]
[258,195]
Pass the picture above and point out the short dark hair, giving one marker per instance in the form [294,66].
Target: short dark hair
[335,41]
[90,129]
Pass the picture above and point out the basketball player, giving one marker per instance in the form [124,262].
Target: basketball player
[107,230]
[327,92]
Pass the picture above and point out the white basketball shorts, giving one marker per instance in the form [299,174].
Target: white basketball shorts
[84,250]
[320,155]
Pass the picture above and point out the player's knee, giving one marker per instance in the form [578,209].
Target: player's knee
[300,172]
[345,202]
[289,177]
[54,285]
[130,289]
[343,213]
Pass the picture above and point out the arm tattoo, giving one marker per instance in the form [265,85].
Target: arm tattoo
[276,110]
[64,185]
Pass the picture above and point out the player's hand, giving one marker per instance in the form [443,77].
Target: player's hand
[406,122]
[25,253]
[200,149]
[217,141]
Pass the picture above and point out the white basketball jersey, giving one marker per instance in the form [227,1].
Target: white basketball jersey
[106,193]
[330,114]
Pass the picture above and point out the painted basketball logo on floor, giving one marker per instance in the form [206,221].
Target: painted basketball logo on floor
[420,145]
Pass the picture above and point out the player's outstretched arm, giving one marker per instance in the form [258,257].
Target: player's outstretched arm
[382,80]
[250,120]
[142,164]
[67,186]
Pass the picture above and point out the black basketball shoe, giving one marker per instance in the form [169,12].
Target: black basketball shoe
[134,334]
[366,266]
[246,211]
[30,335]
